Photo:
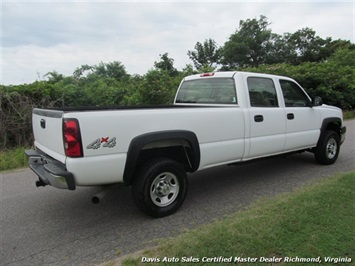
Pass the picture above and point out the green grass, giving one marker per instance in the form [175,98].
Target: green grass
[12,159]
[318,220]
[349,114]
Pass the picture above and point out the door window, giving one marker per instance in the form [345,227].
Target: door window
[294,96]
[262,92]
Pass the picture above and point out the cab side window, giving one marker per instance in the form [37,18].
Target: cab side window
[293,94]
[262,92]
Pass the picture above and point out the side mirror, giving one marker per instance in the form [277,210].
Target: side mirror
[317,101]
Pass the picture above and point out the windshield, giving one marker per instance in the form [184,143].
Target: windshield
[210,91]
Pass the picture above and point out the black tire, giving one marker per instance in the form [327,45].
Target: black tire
[328,148]
[160,187]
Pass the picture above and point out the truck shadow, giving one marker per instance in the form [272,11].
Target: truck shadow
[213,192]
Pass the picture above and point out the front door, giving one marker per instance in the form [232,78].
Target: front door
[303,121]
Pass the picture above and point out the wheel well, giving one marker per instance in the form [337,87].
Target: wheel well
[179,151]
[331,123]
[178,145]
[334,126]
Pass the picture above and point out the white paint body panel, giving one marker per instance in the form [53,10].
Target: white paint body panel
[219,131]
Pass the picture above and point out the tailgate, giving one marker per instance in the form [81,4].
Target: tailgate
[48,132]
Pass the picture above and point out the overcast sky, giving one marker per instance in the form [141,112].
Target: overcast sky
[42,36]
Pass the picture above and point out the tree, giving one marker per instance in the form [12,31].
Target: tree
[79,72]
[205,55]
[299,47]
[54,77]
[332,47]
[281,50]
[115,70]
[156,87]
[166,64]
[249,45]
[307,46]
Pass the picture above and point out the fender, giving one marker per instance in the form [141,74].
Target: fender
[333,123]
[138,143]
[331,120]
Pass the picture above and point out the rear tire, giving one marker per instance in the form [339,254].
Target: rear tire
[160,187]
[328,148]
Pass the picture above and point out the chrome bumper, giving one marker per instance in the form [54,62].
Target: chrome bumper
[49,171]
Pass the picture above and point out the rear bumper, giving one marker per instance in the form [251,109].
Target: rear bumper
[342,134]
[49,171]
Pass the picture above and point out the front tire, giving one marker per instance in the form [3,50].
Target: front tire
[328,148]
[160,187]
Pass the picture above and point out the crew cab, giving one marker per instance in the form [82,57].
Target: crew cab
[217,118]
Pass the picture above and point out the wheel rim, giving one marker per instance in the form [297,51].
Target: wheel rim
[332,148]
[164,189]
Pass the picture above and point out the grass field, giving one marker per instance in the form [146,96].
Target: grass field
[313,224]
[349,114]
[12,159]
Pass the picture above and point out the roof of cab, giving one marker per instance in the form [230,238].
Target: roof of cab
[222,74]
[228,74]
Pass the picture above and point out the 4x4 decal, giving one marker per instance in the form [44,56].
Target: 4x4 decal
[106,143]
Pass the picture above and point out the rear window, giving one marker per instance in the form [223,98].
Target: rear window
[209,91]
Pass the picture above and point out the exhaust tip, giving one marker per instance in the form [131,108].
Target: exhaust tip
[40,183]
[100,195]
[95,200]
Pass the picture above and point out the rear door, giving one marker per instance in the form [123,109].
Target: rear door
[267,118]
[48,132]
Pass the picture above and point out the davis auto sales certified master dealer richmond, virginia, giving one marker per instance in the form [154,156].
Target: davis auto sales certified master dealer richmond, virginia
[237,259]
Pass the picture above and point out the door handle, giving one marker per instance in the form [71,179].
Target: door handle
[43,123]
[290,116]
[258,118]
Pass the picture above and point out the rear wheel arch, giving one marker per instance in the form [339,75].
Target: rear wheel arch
[156,144]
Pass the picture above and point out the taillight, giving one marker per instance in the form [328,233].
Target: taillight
[72,138]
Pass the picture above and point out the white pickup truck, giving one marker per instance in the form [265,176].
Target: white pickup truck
[217,118]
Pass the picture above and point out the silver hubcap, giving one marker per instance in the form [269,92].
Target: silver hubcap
[164,189]
[331,149]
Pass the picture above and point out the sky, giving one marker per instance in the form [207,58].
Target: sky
[43,36]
